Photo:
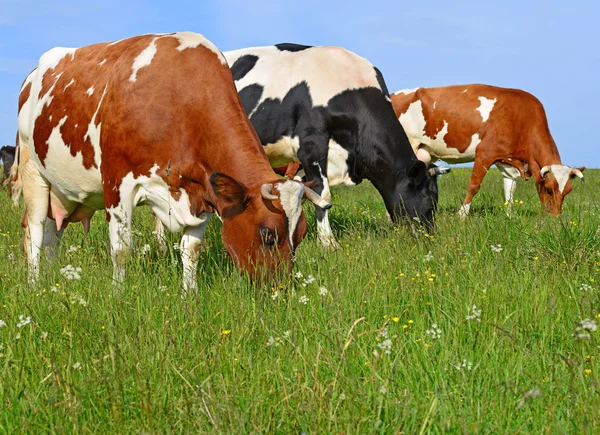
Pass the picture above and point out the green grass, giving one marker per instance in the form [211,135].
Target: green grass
[139,359]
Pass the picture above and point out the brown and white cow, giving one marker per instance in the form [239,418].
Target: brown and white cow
[150,120]
[489,126]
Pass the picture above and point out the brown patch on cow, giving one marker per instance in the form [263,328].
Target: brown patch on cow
[24,95]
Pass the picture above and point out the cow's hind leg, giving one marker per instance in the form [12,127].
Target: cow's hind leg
[509,175]
[190,254]
[36,191]
[119,228]
[159,232]
[480,168]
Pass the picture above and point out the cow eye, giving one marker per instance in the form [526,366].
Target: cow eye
[268,237]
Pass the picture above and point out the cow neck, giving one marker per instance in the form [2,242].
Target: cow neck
[237,152]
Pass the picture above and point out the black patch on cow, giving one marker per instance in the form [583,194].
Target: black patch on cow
[243,65]
[250,97]
[286,46]
[381,81]
[275,118]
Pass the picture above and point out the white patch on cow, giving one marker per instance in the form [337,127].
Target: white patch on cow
[75,126]
[337,165]
[50,118]
[93,132]
[463,211]
[464,91]
[152,190]
[439,137]
[562,173]
[413,120]
[486,107]
[143,59]
[406,91]
[102,63]
[434,104]
[283,151]
[387,98]
[90,91]
[290,196]
[67,174]
[69,84]
[314,66]
[193,40]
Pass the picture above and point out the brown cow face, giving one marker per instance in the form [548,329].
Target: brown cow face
[256,230]
[555,185]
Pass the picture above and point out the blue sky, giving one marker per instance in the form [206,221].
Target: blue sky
[549,48]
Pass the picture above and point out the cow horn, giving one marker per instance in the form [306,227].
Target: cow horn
[438,170]
[315,198]
[544,171]
[578,173]
[265,191]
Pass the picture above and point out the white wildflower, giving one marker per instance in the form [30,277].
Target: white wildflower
[2,323]
[342,396]
[176,246]
[385,346]
[287,335]
[474,314]
[23,321]
[271,341]
[496,248]
[428,257]
[298,275]
[585,288]
[383,389]
[11,257]
[275,295]
[162,288]
[531,394]
[323,291]
[145,249]
[44,335]
[72,249]
[77,366]
[464,365]
[435,332]
[303,299]
[71,273]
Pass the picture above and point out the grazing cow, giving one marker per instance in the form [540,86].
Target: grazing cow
[330,110]
[490,126]
[153,120]
[7,155]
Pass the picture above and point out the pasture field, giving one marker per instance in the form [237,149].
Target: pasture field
[476,329]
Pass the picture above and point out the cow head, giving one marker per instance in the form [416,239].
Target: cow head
[7,154]
[417,194]
[555,184]
[263,224]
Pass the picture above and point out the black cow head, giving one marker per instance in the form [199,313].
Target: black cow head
[418,193]
[7,154]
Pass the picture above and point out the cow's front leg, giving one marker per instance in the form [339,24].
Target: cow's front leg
[190,253]
[478,172]
[321,186]
[119,228]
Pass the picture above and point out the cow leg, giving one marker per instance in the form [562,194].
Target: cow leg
[52,236]
[119,228]
[480,168]
[36,191]
[316,172]
[159,231]
[190,253]
[510,176]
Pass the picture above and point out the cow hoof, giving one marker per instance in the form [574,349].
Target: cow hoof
[330,243]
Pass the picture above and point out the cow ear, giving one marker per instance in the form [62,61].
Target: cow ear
[227,189]
[417,172]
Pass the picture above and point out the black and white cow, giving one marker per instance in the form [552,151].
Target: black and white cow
[330,110]
[7,155]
